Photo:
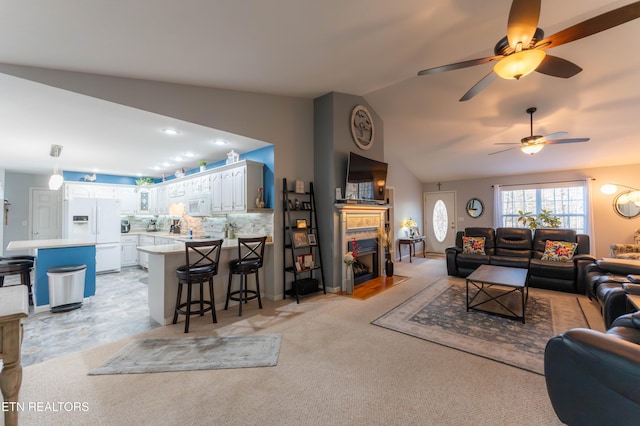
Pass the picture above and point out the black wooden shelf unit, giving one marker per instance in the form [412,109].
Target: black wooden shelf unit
[302,259]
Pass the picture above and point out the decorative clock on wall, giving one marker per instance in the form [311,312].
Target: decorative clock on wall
[362,129]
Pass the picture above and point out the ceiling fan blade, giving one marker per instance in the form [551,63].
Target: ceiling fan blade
[484,82]
[558,67]
[552,136]
[523,22]
[459,65]
[602,22]
[573,140]
[498,152]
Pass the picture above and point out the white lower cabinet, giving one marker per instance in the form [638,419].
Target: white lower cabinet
[143,258]
[129,250]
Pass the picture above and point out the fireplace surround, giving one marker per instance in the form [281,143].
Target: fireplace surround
[361,222]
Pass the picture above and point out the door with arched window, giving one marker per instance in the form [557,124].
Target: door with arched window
[440,220]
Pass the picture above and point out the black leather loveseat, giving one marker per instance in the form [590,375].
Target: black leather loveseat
[592,377]
[522,248]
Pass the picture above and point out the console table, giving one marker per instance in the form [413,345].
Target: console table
[14,306]
[411,242]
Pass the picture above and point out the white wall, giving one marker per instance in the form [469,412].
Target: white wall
[609,228]
[17,191]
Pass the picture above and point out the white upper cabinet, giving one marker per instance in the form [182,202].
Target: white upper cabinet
[128,196]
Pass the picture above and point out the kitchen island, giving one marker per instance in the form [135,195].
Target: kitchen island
[58,252]
[164,259]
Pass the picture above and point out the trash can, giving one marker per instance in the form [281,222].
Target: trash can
[66,287]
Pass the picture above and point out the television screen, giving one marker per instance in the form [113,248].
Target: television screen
[366,178]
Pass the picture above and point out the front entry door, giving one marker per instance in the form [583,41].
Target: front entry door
[440,220]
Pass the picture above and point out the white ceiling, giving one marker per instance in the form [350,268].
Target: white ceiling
[306,48]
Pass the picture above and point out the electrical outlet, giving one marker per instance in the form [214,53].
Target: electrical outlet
[24,223]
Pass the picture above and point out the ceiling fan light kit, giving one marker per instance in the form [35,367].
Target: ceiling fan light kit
[522,50]
[56,179]
[532,148]
[533,144]
[520,64]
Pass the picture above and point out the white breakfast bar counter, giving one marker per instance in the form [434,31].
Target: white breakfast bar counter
[164,259]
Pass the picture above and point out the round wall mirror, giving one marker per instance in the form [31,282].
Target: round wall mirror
[475,208]
[625,205]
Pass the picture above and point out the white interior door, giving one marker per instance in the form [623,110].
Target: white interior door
[46,214]
[440,220]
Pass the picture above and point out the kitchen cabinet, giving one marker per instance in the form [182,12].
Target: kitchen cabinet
[89,190]
[231,186]
[163,240]
[129,250]
[216,192]
[128,196]
[143,202]
[143,258]
[161,200]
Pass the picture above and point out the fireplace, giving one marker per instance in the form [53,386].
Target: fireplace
[366,266]
[363,223]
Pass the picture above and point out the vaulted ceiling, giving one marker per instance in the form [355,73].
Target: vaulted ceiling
[305,48]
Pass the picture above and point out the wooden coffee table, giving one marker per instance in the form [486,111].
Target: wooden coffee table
[501,290]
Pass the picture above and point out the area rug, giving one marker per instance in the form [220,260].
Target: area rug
[193,353]
[438,314]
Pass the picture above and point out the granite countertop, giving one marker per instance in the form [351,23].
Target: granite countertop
[178,247]
[44,244]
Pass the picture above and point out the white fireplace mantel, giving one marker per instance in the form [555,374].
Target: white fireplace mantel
[360,221]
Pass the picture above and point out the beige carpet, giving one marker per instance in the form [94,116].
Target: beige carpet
[438,314]
[334,368]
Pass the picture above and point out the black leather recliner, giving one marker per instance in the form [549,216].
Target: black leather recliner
[560,276]
[593,378]
[607,282]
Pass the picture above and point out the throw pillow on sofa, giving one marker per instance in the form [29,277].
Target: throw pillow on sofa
[559,251]
[473,245]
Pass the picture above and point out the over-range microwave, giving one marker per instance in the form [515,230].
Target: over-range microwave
[199,206]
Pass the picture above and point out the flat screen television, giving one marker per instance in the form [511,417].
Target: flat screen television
[366,179]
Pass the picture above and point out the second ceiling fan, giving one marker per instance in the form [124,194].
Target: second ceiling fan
[534,143]
[522,50]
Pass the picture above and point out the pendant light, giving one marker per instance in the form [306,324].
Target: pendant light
[56,179]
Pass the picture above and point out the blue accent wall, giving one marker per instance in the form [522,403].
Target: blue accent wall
[63,256]
[100,178]
[263,155]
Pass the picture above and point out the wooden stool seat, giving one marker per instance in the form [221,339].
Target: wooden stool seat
[202,265]
[249,261]
[18,265]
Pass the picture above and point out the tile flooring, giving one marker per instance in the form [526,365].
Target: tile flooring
[119,309]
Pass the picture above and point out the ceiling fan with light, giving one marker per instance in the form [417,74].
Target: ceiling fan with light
[523,49]
[534,143]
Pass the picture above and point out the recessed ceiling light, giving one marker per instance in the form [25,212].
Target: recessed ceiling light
[220,142]
[189,154]
[178,158]
[171,132]
[166,164]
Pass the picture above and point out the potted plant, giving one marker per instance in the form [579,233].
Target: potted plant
[144,181]
[544,219]
[203,165]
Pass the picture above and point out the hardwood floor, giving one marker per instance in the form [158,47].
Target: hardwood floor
[377,285]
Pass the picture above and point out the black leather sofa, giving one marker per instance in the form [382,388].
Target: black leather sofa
[522,248]
[608,281]
[592,377]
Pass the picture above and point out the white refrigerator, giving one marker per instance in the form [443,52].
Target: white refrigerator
[98,220]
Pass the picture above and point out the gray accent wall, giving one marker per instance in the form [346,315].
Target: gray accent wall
[332,144]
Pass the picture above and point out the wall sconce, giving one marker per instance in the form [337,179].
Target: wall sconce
[56,179]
